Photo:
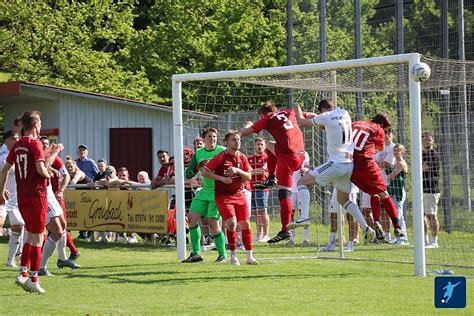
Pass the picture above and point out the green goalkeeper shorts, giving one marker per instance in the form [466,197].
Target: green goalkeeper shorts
[204,204]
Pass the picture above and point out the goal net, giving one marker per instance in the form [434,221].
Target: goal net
[364,87]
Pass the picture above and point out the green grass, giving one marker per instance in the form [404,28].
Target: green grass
[138,279]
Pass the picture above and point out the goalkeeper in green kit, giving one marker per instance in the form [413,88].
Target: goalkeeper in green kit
[204,204]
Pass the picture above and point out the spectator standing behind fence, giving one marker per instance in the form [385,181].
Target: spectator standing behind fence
[396,188]
[431,192]
[166,173]
[258,162]
[101,165]
[87,165]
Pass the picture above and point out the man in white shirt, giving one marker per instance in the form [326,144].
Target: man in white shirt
[338,169]
[11,206]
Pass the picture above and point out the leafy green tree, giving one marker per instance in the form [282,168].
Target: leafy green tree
[72,44]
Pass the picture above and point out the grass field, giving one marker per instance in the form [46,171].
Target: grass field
[139,279]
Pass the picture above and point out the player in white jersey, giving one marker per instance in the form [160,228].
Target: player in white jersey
[338,169]
[353,228]
[11,206]
[55,224]
[300,198]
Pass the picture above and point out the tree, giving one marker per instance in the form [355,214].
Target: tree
[71,44]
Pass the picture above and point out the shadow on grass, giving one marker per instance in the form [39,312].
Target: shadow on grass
[210,276]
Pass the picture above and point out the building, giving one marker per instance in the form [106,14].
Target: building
[123,132]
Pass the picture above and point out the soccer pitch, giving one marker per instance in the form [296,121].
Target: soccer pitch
[139,279]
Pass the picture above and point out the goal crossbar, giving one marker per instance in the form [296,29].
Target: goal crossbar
[415,126]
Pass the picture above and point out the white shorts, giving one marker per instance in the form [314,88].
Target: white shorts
[430,203]
[335,204]
[3,211]
[54,208]
[294,200]
[14,215]
[337,173]
[365,200]
[248,198]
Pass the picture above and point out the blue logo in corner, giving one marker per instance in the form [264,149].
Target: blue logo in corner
[450,292]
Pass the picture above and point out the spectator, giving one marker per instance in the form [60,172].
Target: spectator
[431,192]
[87,165]
[198,143]
[166,173]
[102,165]
[143,178]
[396,188]
[258,162]
[77,175]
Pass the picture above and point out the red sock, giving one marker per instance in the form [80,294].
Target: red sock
[285,212]
[25,255]
[35,257]
[70,244]
[391,210]
[375,205]
[271,162]
[232,239]
[247,239]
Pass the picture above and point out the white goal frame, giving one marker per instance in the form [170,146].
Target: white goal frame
[415,126]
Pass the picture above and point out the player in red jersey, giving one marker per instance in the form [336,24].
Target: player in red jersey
[285,155]
[368,137]
[32,178]
[230,169]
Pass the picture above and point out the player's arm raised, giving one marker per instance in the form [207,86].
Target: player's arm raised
[303,119]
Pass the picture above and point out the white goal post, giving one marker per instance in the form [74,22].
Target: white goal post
[414,91]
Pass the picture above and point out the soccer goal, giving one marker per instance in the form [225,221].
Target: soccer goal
[364,87]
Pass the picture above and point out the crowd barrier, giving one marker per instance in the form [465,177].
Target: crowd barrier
[139,211]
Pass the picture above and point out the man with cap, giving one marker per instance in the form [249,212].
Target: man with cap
[87,165]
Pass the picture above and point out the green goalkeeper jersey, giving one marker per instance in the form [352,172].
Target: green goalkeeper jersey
[200,155]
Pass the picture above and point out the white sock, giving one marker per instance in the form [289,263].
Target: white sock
[13,245]
[387,236]
[427,240]
[304,197]
[305,233]
[22,241]
[332,238]
[232,253]
[48,250]
[354,210]
[293,234]
[249,253]
[434,239]
[62,248]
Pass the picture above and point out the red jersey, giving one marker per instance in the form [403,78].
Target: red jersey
[24,154]
[284,128]
[258,162]
[166,171]
[57,164]
[220,164]
[368,137]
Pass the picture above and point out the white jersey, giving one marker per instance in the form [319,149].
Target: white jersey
[338,126]
[386,155]
[11,181]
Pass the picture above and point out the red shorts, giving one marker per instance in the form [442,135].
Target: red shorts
[367,176]
[286,165]
[231,205]
[34,210]
[171,222]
